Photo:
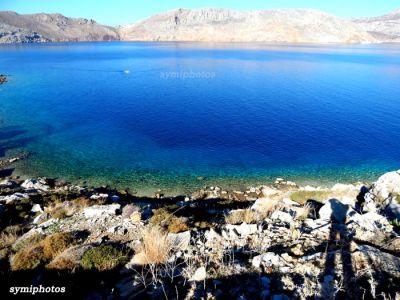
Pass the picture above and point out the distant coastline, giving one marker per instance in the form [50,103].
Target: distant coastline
[207,25]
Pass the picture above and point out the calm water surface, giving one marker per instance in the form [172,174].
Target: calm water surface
[233,114]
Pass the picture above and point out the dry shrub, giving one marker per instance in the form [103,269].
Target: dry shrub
[203,225]
[242,216]
[62,210]
[302,196]
[162,217]
[56,243]
[62,263]
[265,207]
[28,241]
[59,213]
[8,238]
[303,212]
[178,225]
[28,258]
[81,202]
[156,247]
[69,259]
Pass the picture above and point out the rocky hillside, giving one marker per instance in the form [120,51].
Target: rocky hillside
[16,28]
[214,25]
[385,28]
[278,241]
[220,25]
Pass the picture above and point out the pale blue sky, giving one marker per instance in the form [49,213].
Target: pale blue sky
[118,12]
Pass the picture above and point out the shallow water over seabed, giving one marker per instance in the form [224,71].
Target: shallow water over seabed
[154,116]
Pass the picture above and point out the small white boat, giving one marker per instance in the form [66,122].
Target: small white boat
[127,71]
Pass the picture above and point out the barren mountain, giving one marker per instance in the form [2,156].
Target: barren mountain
[16,28]
[385,28]
[220,25]
[214,25]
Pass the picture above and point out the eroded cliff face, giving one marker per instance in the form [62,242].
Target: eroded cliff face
[210,25]
[16,28]
[220,25]
[385,28]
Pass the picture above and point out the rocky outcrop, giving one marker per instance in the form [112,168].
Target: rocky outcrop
[17,28]
[3,79]
[221,25]
[384,195]
[385,28]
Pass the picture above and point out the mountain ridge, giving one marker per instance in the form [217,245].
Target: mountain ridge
[223,25]
[208,25]
[42,27]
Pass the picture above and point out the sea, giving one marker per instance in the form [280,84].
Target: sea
[177,117]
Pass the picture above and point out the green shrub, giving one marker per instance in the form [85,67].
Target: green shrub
[103,258]
[396,224]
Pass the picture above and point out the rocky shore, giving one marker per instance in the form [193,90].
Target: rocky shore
[279,241]
[3,78]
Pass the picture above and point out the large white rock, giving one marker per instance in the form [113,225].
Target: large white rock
[370,221]
[101,210]
[36,208]
[268,259]
[99,196]
[282,216]
[180,240]
[381,193]
[240,230]
[267,191]
[199,275]
[6,183]
[388,184]
[35,184]
[335,210]
[14,198]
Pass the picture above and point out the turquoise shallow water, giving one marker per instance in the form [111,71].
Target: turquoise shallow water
[233,114]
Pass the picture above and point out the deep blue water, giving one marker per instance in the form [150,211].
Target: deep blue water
[247,114]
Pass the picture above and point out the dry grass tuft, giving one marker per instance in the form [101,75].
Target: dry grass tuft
[62,263]
[302,196]
[243,216]
[303,212]
[7,239]
[25,242]
[265,207]
[62,210]
[156,247]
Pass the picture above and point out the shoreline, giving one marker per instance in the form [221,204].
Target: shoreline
[255,242]
[205,185]
[174,189]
